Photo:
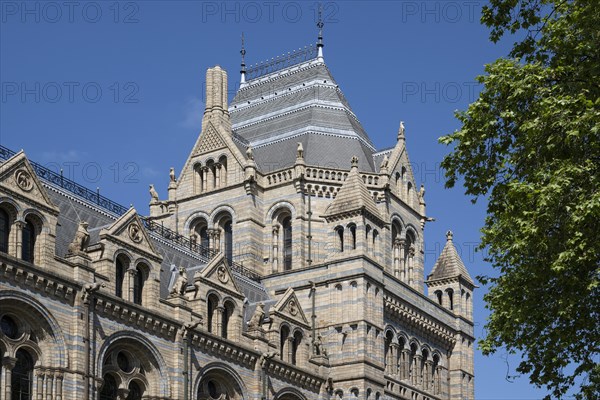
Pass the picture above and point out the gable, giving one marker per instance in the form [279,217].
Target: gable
[18,176]
[290,307]
[129,229]
[218,273]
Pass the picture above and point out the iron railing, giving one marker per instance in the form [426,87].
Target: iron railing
[281,62]
[105,203]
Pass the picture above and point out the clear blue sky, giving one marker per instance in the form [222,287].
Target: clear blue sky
[112,92]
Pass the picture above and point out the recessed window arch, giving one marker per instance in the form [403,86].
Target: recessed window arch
[450,294]
[121,265]
[352,230]
[139,280]
[224,222]
[228,322]
[5,224]
[30,232]
[284,333]
[286,225]
[222,171]
[199,227]
[296,342]
[22,376]
[211,307]
[339,233]
[438,296]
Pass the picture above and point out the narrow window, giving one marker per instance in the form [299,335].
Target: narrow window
[353,233]
[27,250]
[450,299]
[109,388]
[340,234]
[119,277]
[4,231]
[287,243]
[228,242]
[22,376]
[138,285]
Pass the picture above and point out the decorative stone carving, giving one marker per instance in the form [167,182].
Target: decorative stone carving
[24,180]
[81,240]
[257,318]
[249,153]
[293,308]
[318,348]
[172,175]
[222,274]
[135,232]
[180,283]
[153,194]
[300,151]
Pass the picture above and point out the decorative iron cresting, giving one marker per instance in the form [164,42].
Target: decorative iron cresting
[282,62]
[115,208]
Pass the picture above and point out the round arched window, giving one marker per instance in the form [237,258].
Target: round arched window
[9,327]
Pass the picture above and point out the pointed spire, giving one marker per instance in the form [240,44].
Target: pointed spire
[401,131]
[353,196]
[243,69]
[449,264]
[320,25]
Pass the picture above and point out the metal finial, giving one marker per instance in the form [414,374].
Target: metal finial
[449,236]
[320,25]
[243,53]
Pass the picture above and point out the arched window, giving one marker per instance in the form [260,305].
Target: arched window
[287,243]
[120,269]
[212,304]
[438,295]
[284,334]
[409,194]
[109,388]
[226,328]
[375,247]
[200,228]
[450,293]
[28,244]
[353,236]
[22,376]
[138,284]
[340,238]
[295,346]
[368,237]
[228,232]
[135,391]
[4,230]
[387,352]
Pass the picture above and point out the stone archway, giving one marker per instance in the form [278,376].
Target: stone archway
[218,382]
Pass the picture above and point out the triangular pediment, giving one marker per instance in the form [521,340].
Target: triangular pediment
[129,229]
[289,306]
[218,273]
[210,140]
[18,176]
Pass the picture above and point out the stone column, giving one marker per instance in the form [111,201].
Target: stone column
[217,175]
[394,351]
[402,266]
[39,375]
[275,249]
[427,376]
[405,364]
[130,282]
[411,257]
[290,348]
[8,363]
[417,370]
[204,177]
[19,224]
[396,255]
[49,385]
[59,381]
[219,311]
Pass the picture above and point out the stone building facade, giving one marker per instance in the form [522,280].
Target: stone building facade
[284,263]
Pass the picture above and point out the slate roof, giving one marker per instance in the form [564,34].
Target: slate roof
[304,104]
[74,209]
[449,264]
[353,195]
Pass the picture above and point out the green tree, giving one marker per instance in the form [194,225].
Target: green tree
[530,145]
